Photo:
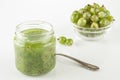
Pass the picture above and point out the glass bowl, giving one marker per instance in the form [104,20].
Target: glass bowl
[90,33]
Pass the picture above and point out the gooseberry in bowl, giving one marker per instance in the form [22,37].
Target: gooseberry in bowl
[92,21]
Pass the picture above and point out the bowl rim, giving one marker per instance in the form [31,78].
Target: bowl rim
[91,29]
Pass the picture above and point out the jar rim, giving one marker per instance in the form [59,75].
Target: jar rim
[34,23]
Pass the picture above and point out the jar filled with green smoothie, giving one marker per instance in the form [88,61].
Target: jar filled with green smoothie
[34,43]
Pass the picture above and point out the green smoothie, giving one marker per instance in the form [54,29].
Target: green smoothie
[35,52]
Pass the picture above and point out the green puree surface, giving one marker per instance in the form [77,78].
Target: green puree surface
[35,57]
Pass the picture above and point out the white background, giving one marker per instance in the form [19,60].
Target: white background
[104,53]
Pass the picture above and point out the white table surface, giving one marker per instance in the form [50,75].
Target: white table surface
[104,53]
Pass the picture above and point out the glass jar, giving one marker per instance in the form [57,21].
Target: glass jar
[35,45]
